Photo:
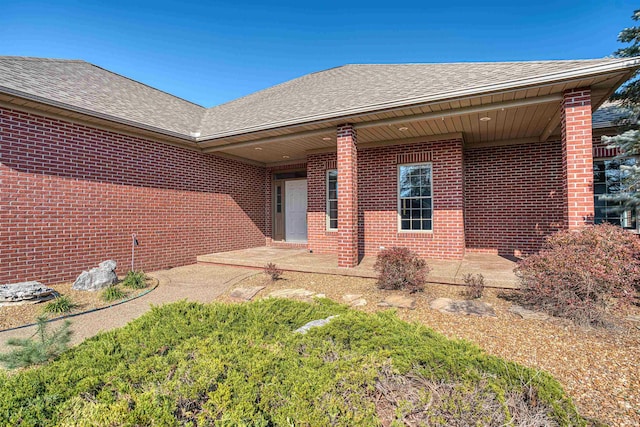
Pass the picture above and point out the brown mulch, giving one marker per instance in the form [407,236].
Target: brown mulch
[599,368]
[18,315]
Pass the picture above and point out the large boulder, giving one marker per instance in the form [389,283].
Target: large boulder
[25,293]
[97,278]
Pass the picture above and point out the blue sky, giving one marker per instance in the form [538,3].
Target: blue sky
[210,52]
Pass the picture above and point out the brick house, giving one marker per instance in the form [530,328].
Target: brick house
[441,158]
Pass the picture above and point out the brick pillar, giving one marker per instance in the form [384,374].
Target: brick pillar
[347,196]
[577,158]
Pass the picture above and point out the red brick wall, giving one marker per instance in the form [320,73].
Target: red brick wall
[72,195]
[600,149]
[514,197]
[319,239]
[377,205]
[348,200]
[577,158]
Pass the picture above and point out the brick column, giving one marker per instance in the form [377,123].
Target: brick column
[347,196]
[577,157]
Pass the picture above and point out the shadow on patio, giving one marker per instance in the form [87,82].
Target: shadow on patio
[497,271]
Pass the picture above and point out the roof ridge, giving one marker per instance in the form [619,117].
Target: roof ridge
[538,61]
[145,84]
[81,61]
[209,109]
[36,58]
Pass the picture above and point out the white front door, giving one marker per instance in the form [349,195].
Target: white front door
[295,210]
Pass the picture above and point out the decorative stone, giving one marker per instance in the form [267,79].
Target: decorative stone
[97,278]
[313,324]
[349,298]
[25,293]
[360,302]
[292,293]
[245,294]
[319,296]
[633,318]
[528,314]
[466,307]
[398,301]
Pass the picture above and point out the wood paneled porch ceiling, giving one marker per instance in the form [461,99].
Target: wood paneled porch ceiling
[527,115]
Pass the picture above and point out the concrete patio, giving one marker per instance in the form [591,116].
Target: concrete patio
[497,270]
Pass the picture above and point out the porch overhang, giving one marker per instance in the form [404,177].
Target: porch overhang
[524,111]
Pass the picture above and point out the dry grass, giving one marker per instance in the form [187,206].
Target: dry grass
[599,368]
[12,316]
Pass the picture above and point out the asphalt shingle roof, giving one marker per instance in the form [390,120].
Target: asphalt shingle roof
[327,94]
[87,86]
[609,113]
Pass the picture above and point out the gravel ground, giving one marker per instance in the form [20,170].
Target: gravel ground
[599,368]
[12,316]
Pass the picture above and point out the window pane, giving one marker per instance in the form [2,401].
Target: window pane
[608,180]
[332,198]
[414,192]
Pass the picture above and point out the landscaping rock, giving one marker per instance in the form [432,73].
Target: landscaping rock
[398,301]
[245,294]
[292,293]
[349,298]
[313,324]
[97,278]
[25,293]
[466,307]
[528,314]
[354,300]
[360,302]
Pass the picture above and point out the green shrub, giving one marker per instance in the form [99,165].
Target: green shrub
[193,364]
[583,275]
[135,280]
[272,271]
[44,347]
[61,304]
[113,293]
[474,286]
[400,268]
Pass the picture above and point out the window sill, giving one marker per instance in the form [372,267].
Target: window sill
[415,233]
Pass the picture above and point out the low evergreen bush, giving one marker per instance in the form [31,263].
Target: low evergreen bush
[400,268]
[242,364]
[583,275]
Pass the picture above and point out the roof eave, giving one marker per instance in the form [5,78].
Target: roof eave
[87,112]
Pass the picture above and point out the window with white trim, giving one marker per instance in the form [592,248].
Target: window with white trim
[415,202]
[607,180]
[332,199]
